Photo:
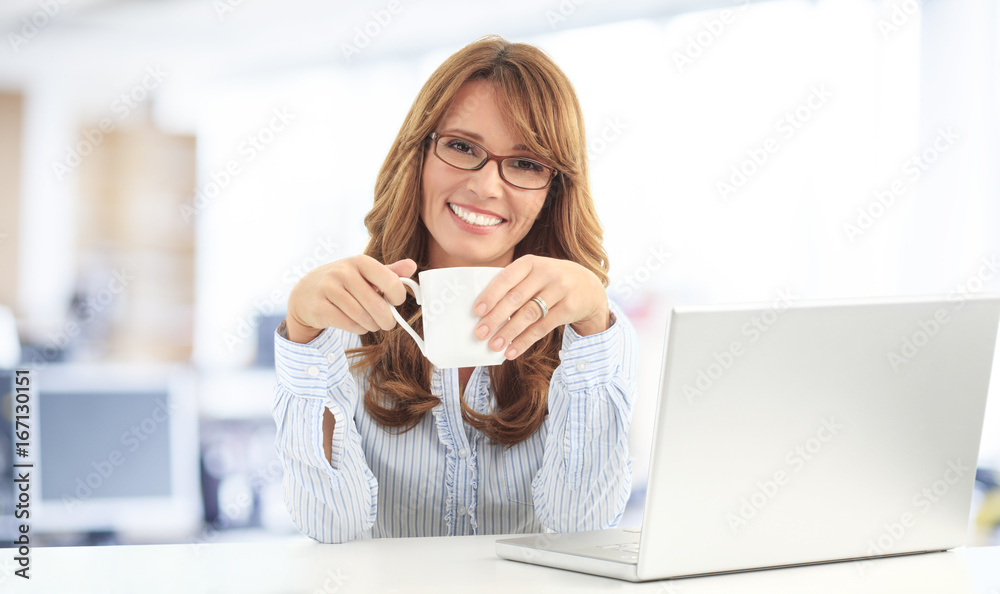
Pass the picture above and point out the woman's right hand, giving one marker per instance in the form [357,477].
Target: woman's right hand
[346,294]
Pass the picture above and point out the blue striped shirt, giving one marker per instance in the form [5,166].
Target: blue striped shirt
[443,477]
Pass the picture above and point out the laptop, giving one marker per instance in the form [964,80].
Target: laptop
[795,433]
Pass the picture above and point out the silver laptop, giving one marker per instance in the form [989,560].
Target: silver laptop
[798,433]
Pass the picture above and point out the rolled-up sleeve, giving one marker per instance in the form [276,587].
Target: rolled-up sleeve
[329,500]
[586,476]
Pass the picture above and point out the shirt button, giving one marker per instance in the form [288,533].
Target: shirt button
[462,511]
[312,370]
[582,366]
[331,357]
[463,453]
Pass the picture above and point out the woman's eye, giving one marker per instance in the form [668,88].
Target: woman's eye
[526,165]
[461,146]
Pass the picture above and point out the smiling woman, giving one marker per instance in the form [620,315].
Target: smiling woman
[458,199]
[488,170]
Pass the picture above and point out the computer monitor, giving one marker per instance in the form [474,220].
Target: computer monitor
[117,450]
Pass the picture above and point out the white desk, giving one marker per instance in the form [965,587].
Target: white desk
[459,564]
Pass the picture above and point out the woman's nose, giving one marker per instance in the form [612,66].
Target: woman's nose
[487,181]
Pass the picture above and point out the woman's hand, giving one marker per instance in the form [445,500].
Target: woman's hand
[574,295]
[346,294]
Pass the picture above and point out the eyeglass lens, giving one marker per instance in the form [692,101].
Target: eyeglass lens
[519,171]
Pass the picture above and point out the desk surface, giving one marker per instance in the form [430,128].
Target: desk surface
[449,564]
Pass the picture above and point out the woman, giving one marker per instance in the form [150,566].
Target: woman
[539,442]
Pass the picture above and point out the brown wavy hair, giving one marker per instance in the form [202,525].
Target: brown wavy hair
[544,113]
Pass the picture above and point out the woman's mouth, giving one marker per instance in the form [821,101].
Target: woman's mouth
[475,219]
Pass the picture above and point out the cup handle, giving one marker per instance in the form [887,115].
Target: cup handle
[416,293]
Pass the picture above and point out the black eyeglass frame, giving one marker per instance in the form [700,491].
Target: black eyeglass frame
[492,157]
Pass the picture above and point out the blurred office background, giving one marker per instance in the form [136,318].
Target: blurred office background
[169,169]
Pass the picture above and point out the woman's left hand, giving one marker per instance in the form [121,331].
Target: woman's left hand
[574,295]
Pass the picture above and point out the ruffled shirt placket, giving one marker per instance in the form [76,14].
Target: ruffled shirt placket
[461,443]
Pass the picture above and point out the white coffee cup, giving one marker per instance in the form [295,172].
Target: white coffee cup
[447,296]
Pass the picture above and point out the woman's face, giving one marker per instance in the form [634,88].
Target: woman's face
[502,214]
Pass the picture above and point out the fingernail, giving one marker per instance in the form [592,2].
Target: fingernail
[511,353]
[497,343]
[481,309]
[482,331]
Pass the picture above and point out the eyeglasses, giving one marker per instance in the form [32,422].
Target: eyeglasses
[520,172]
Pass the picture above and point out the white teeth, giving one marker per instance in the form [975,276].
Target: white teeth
[479,220]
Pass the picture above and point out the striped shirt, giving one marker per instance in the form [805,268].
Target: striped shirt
[443,477]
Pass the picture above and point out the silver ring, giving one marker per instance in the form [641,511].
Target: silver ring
[541,304]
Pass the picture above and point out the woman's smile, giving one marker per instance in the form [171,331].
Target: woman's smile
[482,220]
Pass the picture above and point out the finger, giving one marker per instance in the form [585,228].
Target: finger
[530,336]
[403,268]
[374,305]
[515,298]
[526,325]
[326,314]
[509,307]
[344,321]
[383,278]
[507,279]
[343,300]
